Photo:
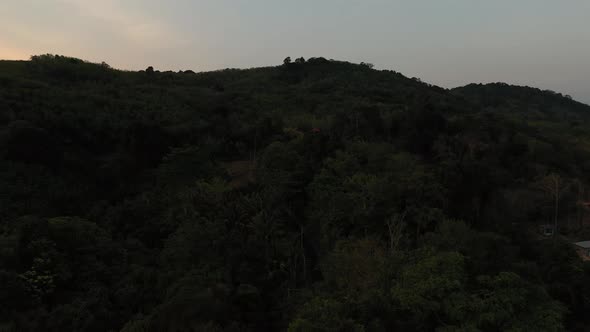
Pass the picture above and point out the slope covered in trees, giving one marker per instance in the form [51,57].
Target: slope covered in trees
[318,195]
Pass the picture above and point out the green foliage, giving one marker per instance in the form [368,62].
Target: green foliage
[324,315]
[318,195]
[425,287]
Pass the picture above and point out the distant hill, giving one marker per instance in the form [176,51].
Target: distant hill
[502,94]
[314,195]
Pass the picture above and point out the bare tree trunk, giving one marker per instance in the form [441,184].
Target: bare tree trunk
[552,186]
[304,258]
[395,226]
[580,205]
[357,122]
[556,207]
[255,146]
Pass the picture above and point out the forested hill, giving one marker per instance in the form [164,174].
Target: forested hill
[317,195]
[502,94]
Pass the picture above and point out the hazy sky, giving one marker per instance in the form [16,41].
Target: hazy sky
[445,42]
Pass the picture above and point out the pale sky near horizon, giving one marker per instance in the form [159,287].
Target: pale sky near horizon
[450,43]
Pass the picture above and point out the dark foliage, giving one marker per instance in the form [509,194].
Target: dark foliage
[317,195]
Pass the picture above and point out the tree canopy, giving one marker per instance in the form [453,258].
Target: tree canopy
[317,195]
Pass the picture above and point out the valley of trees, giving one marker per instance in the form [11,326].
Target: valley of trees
[317,195]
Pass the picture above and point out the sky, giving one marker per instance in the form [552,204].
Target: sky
[540,43]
